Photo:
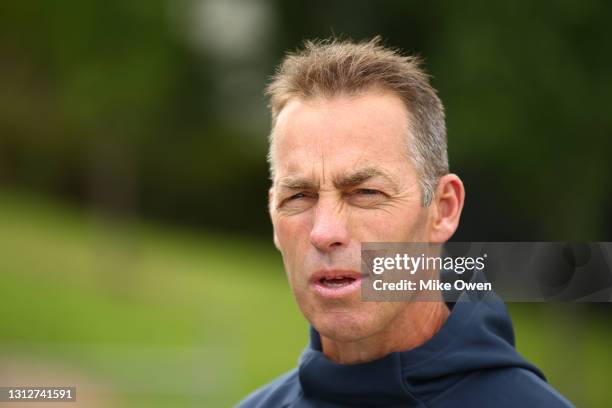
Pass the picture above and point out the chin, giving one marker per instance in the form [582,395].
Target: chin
[344,326]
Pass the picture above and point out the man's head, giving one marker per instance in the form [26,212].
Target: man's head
[333,68]
[357,154]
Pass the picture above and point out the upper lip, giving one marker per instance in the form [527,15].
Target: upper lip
[334,274]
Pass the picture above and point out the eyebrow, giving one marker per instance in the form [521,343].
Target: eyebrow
[296,183]
[340,182]
[361,176]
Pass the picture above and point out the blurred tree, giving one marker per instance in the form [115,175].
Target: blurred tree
[155,108]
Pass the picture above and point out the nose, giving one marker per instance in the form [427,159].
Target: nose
[329,230]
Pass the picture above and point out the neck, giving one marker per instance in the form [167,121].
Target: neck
[416,324]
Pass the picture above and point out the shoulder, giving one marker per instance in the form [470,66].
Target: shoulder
[504,387]
[278,393]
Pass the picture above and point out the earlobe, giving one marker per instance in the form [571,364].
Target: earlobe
[448,201]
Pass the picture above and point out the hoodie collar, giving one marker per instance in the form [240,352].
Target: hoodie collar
[477,335]
[368,384]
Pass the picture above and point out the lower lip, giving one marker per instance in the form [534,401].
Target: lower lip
[336,292]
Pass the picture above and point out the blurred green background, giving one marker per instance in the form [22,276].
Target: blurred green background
[136,259]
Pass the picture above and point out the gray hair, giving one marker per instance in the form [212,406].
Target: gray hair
[332,67]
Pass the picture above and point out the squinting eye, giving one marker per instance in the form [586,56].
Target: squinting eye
[298,202]
[366,197]
[296,196]
[367,191]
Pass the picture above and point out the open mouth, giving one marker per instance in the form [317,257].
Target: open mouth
[336,283]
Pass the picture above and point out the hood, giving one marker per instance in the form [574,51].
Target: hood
[477,335]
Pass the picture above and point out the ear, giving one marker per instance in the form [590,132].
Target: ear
[270,209]
[446,208]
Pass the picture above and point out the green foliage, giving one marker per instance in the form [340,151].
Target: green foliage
[160,314]
[120,103]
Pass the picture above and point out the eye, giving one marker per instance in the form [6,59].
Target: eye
[296,196]
[297,202]
[367,191]
[366,197]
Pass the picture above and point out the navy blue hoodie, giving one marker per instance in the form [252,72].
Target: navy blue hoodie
[470,362]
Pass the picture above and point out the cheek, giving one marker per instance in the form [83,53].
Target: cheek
[290,231]
[293,235]
[394,226]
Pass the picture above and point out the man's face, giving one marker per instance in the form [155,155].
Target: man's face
[342,177]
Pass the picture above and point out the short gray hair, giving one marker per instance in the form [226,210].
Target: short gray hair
[332,67]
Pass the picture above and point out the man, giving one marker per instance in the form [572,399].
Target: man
[358,154]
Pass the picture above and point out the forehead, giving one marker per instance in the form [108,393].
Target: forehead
[335,135]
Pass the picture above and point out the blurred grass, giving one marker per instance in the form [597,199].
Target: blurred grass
[77,290]
[170,317]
